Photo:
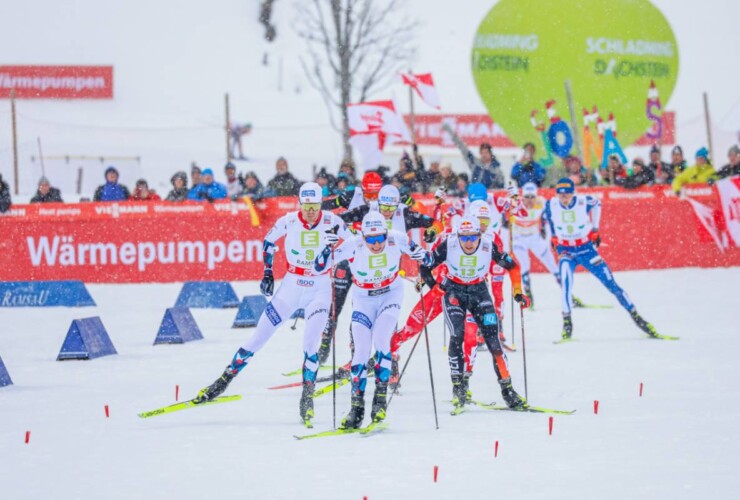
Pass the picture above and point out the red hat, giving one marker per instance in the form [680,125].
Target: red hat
[371,184]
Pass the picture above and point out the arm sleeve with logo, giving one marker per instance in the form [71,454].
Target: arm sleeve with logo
[439,256]
[276,232]
[593,207]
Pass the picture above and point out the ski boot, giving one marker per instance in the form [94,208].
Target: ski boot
[324,350]
[643,325]
[393,381]
[380,402]
[343,372]
[466,386]
[567,327]
[356,414]
[215,389]
[305,406]
[459,394]
[511,398]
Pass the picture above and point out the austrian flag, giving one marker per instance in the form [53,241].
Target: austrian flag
[424,86]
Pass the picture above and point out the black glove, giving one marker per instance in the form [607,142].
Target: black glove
[430,234]
[523,300]
[240,178]
[407,200]
[543,232]
[267,285]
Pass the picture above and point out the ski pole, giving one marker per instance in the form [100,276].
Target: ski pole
[511,249]
[429,355]
[524,351]
[333,344]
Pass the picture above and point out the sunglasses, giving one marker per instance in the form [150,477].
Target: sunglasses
[484,221]
[378,238]
[388,208]
[469,238]
[311,206]
[530,196]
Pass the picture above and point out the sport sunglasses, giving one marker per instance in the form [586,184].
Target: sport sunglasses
[388,208]
[378,238]
[467,238]
[311,206]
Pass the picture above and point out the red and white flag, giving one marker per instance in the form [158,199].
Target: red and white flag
[713,222]
[729,195]
[424,86]
[372,126]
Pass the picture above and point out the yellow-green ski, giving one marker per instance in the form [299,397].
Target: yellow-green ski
[184,405]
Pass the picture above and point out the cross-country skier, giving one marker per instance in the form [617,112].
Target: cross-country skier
[364,195]
[468,255]
[399,217]
[574,225]
[306,231]
[375,259]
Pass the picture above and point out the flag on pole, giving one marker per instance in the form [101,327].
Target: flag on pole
[424,86]
[713,222]
[372,126]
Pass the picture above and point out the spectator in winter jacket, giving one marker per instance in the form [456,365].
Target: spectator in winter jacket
[575,171]
[208,189]
[430,177]
[662,171]
[702,172]
[487,169]
[641,176]
[253,187]
[527,170]
[195,173]
[283,184]
[179,187]
[46,194]
[4,195]
[447,178]
[234,185]
[326,181]
[678,164]
[614,170]
[143,193]
[461,186]
[111,190]
[348,169]
[406,175]
[732,168]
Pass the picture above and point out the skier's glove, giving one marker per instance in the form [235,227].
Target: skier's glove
[419,284]
[523,300]
[407,200]
[595,238]
[430,234]
[267,285]
[554,242]
[330,239]
[440,195]
[418,253]
[513,191]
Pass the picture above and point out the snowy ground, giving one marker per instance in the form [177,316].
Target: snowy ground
[677,441]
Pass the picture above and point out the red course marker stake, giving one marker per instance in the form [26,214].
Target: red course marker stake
[107,412]
[436,471]
[596,407]
[640,389]
[28,436]
[495,450]
[550,420]
[177,393]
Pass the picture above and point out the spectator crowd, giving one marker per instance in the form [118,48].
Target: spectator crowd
[414,175]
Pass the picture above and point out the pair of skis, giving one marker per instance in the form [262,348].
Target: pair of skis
[523,409]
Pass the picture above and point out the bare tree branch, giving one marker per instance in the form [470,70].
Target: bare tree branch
[355,49]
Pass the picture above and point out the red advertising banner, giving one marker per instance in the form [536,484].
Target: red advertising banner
[137,242]
[474,129]
[57,82]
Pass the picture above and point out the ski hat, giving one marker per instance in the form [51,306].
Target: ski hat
[479,209]
[207,171]
[374,223]
[477,191]
[703,153]
[229,165]
[180,175]
[677,150]
[371,183]
[111,169]
[310,193]
[529,189]
[389,195]
[654,149]
[735,149]
[468,225]
[565,185]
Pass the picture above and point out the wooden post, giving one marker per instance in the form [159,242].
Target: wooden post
[573,122]
[41,157]
[15,140]
[228,128]
[709,125]
[411,110]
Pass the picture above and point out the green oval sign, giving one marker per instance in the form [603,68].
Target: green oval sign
[610,50]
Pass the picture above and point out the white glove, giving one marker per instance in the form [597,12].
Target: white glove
[512,190]
[330,239]
[440,193]
[418,253]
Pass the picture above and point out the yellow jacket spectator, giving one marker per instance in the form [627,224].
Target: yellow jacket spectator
[702,172]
